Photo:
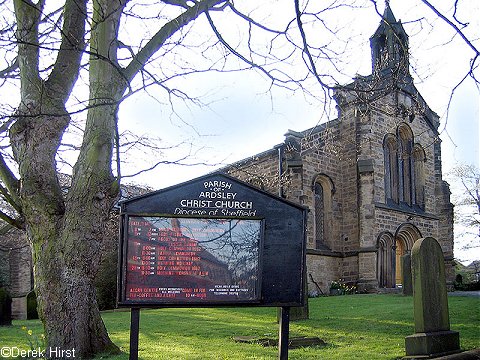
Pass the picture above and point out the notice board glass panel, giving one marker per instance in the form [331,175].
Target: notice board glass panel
[192,260]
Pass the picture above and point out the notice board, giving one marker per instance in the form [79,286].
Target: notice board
[211,241]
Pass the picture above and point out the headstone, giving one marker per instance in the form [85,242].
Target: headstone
[407,286]
[433,336]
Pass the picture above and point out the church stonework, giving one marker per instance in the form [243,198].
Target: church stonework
[16,269]
[372,178]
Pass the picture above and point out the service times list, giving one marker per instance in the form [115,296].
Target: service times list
[168,260]
[179,259]
[165,253]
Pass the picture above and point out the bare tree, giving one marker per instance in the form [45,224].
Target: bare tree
[125,47]
[467,203]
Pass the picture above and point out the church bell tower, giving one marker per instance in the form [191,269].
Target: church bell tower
[389,46]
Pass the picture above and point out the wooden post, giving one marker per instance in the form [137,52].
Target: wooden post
[283,333]
[134,332]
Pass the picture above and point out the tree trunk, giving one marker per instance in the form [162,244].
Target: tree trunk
[66,237]
[66,230]
[68,307]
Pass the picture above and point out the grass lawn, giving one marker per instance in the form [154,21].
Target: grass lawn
[354,327]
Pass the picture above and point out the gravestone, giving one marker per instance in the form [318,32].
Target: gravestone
[407,286]
[433,336]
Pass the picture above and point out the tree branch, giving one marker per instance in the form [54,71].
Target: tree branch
[166,162]
[167,30]
[457,30]
[9,69]
[67,64]
[253,22]
[27,17]
[9,180]
[8,198]
[235,52]
[19,224]
[306,51]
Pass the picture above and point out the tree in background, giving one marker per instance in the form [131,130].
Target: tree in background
[69,66]
[467,203]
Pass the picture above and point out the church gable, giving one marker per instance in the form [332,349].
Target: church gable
[371,178]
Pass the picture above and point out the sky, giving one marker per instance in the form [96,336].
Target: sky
[243,118]
[461,140]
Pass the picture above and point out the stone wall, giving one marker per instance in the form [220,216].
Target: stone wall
[320,158]
[371,124]
[16,268]
[388,219]
[445,231]
[349,153]
[323,270]
[261,170]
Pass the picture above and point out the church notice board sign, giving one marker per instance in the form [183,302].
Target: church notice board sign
[211,241]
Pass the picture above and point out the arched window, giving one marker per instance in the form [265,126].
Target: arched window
[405,138]
[390,249]
[408,234]
[391,168]
[319,216]
[404,169]
[419,175]
[322,190]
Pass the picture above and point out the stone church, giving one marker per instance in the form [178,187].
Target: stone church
[372,178]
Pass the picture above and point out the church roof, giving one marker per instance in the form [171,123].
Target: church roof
[389,23]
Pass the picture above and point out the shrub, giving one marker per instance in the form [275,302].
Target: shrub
[32,312]
[106,283]
[342,288]
[473,286]
[5,307]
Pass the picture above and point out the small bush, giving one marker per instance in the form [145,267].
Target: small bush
[473,286]
[465,286]
[32,312]
[106,283]
[5,307]
[342,288]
